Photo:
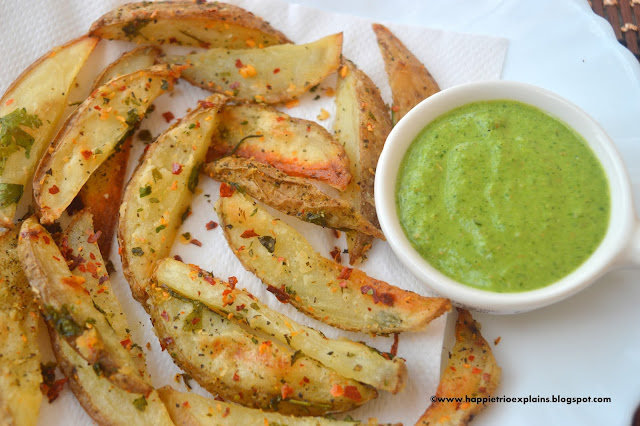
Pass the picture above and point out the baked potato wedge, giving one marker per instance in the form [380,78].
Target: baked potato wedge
[103,190]
[187,23]
[68,309]
[29,114]
[270,75]
[362,124]
[288,194]
[246,368]
[90,135]
[471,372]
[297,147]
[410,81]
[104,402]
[20,375]
[160,191]
[189,409]
[348,358]
[319,287]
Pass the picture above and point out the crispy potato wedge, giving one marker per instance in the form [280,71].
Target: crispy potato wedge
[410,81]
[245,368]
[297,147]
[362,124]
[189,409]
[103,190]
[348,358]
[68,308]
[471,372]
[321,288]
[29,114]
[90,135]
[104,402]
[270,75]
[20,375]
[187,23]
[290,195]
[159,193]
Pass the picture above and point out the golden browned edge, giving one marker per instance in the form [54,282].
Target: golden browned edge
[24,73]
[218,11]
[154,50]
[179,417]
[39,60]
[375,125]
[464,383]
[138,292]
[338,175]
[92,195]
[410,81]
[43,166]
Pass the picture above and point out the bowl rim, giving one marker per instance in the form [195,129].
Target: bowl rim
[607,254]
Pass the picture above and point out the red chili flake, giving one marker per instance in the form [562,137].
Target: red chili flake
[205,44]
[173,40]
[93,269]
[240,307]
[92,256]
[165,315]
[336,233]
[57,258]
[206,104]
[367,289]
[176,168]
[168,116]
[195,320]
[352,392]
[486,377]
[394,347]
[239,64]
[452,368]
[471,357]
[226,190]
[125,343]
[387,299]
[249,233]
[46,240]
[86,154]
[286,391]
[103,279]
[495,342]
[54,190]
[482,389]
[276,70]
[211,225]
[178,258]
[235,85]
[52,391]
[219,398]
[476,370]
[195,242]
[209,278]
[32,234]
[123,88]
[74,282]
[226,412]
[279,293]
[75,262]
[146,148]
[236,378]
[185,404]
[345,273]
[94,237]
[232,282]
[168,341]
[308,128]
[335,254]
[343,284]
[279,119]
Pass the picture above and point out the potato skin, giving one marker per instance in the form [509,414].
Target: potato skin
[362,126]
[187,23]
[471,371]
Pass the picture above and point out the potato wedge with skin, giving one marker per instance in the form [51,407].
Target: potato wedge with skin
[189,409]
[297,147]
[68,308]
[90,135]
[321,288]
[29,114]
[20,375]
[105,403]
[410,81]
[290,195]
[350,359]
[245,368]
[270,75]
[362,124]
[471,372]
[187,23]
[160,191]
[103,190]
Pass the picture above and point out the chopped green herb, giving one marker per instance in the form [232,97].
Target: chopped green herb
[62,321]
[160,228]
[132,29]
[132,117]
[268,242]
[193,178]
[154,200]
[145,135]
[145,190]
[156,174]
[10,193]
[12,135]
[165,85]
[137,251]
[140,403]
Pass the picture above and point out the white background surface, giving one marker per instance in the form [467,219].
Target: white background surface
[588,345]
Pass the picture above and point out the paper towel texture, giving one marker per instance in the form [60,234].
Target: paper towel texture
[33,27]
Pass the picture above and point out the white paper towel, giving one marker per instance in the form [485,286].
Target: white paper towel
[34,27]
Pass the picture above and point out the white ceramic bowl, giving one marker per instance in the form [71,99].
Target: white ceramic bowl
[620,246]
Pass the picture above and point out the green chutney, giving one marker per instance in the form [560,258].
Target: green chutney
[500,196]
